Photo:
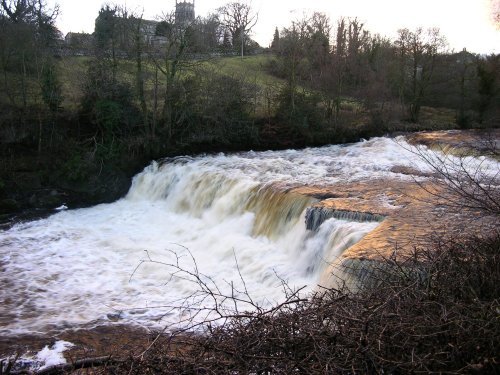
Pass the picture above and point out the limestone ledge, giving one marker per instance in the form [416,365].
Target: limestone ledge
[408,212]
[412,216]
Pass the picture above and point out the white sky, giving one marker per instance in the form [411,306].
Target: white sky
[465,23]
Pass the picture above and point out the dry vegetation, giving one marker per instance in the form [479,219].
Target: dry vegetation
[442,316]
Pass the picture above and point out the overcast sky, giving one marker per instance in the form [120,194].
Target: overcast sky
[465,23]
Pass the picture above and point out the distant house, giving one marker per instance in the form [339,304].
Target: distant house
[150,34]
[148,29]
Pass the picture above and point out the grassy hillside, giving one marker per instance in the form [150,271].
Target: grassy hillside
[251,67]
[72,71]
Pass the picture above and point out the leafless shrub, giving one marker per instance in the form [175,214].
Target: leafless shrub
[463,182]
[466,177]
[444,321]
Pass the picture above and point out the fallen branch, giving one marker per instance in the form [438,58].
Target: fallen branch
[69,367]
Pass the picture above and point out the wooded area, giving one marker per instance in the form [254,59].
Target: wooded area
[135,90]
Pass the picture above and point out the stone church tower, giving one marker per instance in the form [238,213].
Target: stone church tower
[184,12]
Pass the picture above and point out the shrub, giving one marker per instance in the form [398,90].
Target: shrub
[443,318]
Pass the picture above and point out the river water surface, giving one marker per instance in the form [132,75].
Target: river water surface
[220,219]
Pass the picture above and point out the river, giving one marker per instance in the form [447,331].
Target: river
[188,229]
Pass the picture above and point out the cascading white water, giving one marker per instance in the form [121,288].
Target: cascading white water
[231,213]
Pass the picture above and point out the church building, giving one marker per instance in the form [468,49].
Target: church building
[184,12]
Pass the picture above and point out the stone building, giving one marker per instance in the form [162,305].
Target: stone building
[78,44]
[184,12]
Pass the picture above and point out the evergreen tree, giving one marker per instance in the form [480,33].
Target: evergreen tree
[104,33]
[275,44]
[226,42]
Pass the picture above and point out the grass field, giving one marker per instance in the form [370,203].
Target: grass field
[253,68]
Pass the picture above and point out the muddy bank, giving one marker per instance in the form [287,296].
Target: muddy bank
[113,341]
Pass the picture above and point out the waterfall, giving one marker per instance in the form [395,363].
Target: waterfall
[316,216]
[235,219]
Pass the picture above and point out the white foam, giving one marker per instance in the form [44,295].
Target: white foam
[47,357]
[313,166]
[53,356]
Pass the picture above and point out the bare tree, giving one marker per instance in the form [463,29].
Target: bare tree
[171,59]
[239,19]
[418,52]
[495,13]
[207,34]
[292,52]
[30,11]
[466,63]
[140,46]
[27,43]
[339,65]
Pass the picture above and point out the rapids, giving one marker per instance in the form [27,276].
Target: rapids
[228,219]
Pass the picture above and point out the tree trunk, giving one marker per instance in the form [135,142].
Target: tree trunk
[23,84]
[242,43]
[40,129]
[140,80]
[155,103]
